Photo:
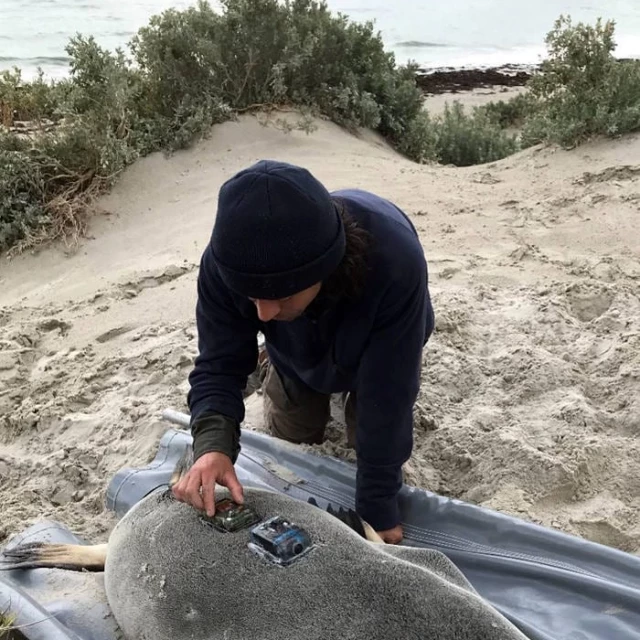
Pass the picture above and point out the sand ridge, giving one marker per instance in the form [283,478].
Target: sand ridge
[530,397]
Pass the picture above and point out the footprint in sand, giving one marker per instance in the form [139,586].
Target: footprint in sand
[152,279]
[8,361]
[587,303]
[622,172]
[114,333]
[51,324]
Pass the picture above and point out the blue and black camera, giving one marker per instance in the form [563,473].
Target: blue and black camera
[280,541]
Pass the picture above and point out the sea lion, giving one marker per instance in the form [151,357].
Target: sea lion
[169,574]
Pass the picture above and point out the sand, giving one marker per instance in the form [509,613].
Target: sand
[477,98]
[530,402]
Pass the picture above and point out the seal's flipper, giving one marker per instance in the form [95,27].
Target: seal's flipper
[353,521]
[371,534]
[74,557]
[182,466]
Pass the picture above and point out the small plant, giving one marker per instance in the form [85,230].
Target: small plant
[8,628]
[7,622]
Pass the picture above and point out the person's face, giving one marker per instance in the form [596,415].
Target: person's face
[286,309]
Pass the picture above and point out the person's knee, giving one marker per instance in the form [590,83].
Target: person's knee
[293,412]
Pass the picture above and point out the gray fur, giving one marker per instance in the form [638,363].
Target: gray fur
[169,576]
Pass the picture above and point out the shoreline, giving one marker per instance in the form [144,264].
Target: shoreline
[434,80]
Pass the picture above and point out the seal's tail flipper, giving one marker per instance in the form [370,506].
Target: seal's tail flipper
[371,534]
[182,466]
[74,557]
[353,521]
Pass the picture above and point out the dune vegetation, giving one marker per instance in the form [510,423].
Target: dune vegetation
[188,70]
[8,629]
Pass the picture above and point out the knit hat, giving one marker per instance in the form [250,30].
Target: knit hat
[276,232]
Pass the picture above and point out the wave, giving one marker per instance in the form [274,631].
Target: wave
[417,44]
[39,60]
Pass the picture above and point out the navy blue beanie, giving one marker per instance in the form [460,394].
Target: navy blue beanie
[277,231]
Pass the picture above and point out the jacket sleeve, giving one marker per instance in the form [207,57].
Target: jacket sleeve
[388,385]
[227,355]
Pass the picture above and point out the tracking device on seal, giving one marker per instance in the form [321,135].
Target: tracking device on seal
[279,541]
[231,516]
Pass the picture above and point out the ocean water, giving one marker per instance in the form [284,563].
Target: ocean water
[434,33]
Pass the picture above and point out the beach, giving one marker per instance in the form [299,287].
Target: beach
[529,402]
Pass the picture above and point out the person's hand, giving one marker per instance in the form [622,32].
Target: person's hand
[391,536]
[197,486]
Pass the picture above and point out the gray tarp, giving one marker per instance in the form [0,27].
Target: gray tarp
[552,586]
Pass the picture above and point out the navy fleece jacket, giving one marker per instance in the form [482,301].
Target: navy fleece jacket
[372,345]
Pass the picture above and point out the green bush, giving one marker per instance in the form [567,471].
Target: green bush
[456,138]
[262,52]
[33,101]
[582,90]
[465,140]
[22,196]
[420,141]
[510,113]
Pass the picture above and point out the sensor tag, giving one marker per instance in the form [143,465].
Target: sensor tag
[280,541]
[230,516]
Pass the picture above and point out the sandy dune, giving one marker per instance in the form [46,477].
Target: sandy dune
[531,394]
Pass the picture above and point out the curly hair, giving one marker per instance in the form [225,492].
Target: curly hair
[347,281]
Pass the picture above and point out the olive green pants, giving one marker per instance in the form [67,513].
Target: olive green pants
[296,413]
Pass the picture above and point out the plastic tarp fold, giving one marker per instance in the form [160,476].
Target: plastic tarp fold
[552,586]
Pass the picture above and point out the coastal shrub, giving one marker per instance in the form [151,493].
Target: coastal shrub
[582,90]
[262,53]
[33,101]
[464,140]
[22,196]
[46,189]
[456,137]
[49,177]
[420,141]
[513,112]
